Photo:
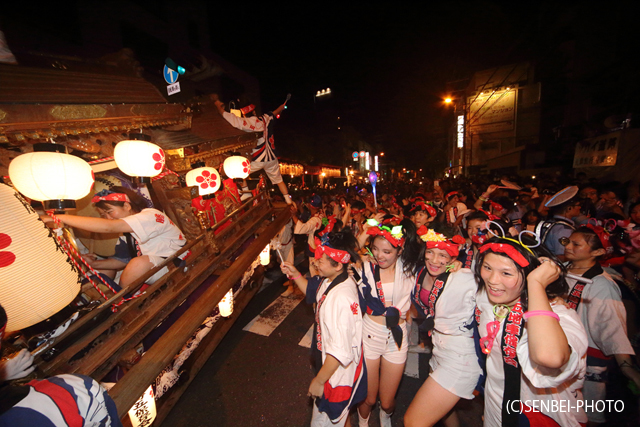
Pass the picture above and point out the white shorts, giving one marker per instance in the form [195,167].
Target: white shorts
[271,168]
[378,341]
[454,364]
[321,419]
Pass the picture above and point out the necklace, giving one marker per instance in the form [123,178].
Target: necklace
[579,268]
[500,312]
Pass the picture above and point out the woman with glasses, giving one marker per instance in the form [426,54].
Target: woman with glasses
[447,300]
[535,345]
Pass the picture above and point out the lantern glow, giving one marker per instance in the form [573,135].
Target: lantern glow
[237,167]
[265,255]
[143,412]
[226,304]
[139,158]
[205,178]
[51,177]
[37,278]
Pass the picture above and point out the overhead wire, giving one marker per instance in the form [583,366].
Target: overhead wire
[494,91]
[470,121]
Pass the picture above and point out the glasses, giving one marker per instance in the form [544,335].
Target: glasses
[486,343]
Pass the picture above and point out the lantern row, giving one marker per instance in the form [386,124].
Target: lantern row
[58,179]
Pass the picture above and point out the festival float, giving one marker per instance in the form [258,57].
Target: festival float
[66,135]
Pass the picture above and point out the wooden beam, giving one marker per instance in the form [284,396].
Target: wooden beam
[207,346]
[135,382]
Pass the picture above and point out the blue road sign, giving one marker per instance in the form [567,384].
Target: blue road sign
[170,76]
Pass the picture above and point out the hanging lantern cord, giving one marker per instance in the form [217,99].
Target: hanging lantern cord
[71,250]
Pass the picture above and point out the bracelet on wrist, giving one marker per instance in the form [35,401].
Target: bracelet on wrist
[541,313]
[483,199]
[296,278]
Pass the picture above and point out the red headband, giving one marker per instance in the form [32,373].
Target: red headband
[337,255]
[452,193]
[356,211]
[491,216]
[496,206]
[450,248]
[249,108]
[439,241]
[378,231]
[508,250]
[327,228]
[113,197]
[424,207]
[602,234]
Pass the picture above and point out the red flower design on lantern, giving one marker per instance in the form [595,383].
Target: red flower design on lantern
[6,258]
[206,180]
[246,167]
[159,159]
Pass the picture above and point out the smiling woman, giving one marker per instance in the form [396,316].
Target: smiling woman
[533,342]
[386,287]
[447,301]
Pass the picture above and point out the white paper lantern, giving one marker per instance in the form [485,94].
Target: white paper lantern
[143,412]
[36,278]
[50,177]
[265,255]
[205,178]
[237,167]
[139,158]
[226,304]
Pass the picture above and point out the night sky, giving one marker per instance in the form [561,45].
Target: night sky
[388,65]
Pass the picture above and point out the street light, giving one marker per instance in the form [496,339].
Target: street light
[323,92]
[447,100]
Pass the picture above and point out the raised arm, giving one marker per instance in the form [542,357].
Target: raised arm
[484,197]
[548,345]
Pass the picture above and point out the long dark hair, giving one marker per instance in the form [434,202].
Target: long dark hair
[555,289]
[137,202]
[413,252]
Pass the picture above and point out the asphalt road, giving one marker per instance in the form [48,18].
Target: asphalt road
[253,380]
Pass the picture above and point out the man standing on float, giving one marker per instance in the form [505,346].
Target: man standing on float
[263,155]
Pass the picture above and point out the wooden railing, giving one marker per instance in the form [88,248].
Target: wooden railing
[95,343]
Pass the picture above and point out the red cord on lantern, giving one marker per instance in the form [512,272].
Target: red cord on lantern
[70,249]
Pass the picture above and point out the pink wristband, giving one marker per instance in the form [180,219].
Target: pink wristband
[541,313]
[296,278]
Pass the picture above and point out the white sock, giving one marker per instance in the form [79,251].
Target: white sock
[385,419]
[363,422]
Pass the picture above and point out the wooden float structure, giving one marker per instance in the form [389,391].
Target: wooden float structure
[82,111]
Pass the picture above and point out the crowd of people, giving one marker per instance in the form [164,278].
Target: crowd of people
[523,292]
